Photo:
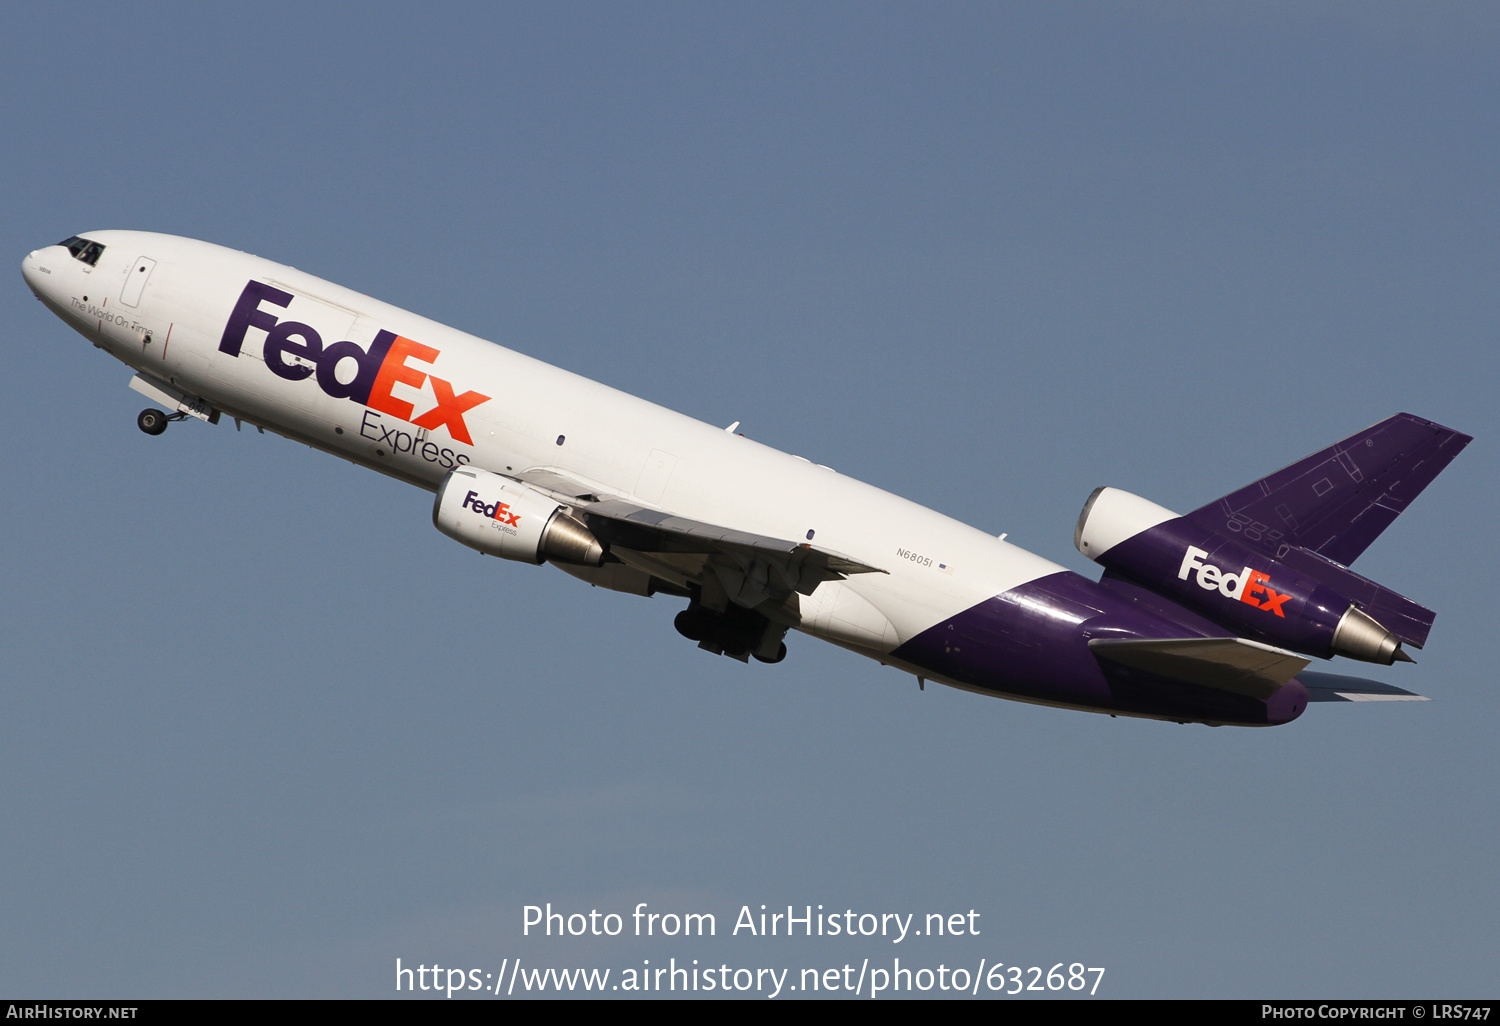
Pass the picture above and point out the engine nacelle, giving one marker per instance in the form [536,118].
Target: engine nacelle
[1226,581]
[505,518]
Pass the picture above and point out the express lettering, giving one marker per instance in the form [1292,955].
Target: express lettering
[371,426]
[1243,586]
[496,510]
[386,363]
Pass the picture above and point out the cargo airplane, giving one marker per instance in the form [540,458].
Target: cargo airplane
[1209,617]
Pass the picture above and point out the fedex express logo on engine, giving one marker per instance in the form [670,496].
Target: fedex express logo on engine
[1243,586]
[386,363]
[496,510]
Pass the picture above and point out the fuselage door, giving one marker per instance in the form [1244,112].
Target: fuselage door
[130,295]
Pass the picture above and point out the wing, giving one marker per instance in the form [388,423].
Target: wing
[752,569]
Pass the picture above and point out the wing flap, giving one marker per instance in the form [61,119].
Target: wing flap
[680,534]
[752,567]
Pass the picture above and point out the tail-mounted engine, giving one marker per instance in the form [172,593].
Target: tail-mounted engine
[505,518]
[1230,583]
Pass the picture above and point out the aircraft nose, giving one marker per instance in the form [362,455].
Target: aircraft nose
[29,271]
[38,272]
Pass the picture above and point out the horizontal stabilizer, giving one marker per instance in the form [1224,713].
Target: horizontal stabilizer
[1338,500]
[1330,687]
[1227,664]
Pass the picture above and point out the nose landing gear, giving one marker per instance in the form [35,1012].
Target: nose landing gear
[154,422]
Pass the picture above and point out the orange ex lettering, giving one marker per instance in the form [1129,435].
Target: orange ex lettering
[1273,602]
[1254,582]
[450,410]
[1257,582]
[394,369]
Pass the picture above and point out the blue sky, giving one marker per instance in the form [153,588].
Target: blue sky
[265,731]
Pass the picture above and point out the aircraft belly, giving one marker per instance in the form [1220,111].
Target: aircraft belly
[1032,643]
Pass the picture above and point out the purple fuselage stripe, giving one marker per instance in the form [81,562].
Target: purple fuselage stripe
[1032,642]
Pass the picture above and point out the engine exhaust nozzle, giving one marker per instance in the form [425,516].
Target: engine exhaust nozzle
[1359,636]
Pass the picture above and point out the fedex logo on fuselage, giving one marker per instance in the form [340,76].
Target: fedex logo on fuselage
[1243,586]
[496,510]
[376,370]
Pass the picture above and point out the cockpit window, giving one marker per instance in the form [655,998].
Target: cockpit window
[83,249]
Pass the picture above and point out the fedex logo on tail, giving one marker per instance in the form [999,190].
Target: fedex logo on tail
[388,362]
[1243,586]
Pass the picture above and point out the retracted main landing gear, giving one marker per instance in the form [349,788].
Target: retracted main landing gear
[736,632]
[154,422]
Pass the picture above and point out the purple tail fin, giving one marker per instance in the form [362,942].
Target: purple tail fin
[1317,515]
[1337,501]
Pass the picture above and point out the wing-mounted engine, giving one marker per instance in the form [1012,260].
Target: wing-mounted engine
[502,517]
[746,589]
[1236,586]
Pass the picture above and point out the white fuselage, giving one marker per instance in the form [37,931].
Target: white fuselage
[531,417]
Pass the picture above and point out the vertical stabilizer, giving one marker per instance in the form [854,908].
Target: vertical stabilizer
[1337,501]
